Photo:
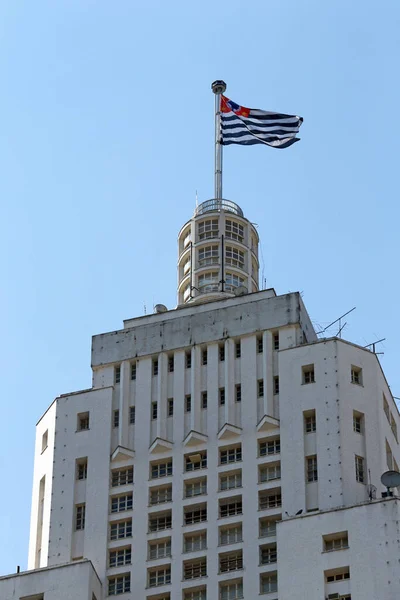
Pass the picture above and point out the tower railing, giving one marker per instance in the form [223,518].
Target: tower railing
[216,205]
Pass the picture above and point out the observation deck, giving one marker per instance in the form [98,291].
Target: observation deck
[217,205]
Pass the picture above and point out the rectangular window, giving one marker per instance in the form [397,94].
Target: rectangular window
[269,473]
[160,495]
[208,229]
[81,468]
[170,407]
[221,396]
[188,403]
[230,455]
[356,375]
[195,595]
[121,503]
[132,414]
[310,421]
[160,549]
[83,421]
[234,257]
[204,357]
[117,374]
[208,255]
[155,367]
[204,400]
[308,374]
[338,575]
[276,385]
[230,481]
[188,359]
[267,528]
[154,410]
[389,457]
[196,515]
[386,408]
[121,530]
[161,576]
[269,447]
[231,591]
[358,422]
[120,557]
[160,523]
[163,469]
[237,350]
[275,338]
[260,345]
[234,230]
[221,352]
[121,477]
[133,371]
[312,468]
[230,535]
[268,555]
[230,508]
[335,541]
[194,462]
[116,418]
[238,393]
[393,426]
[171,363]
[45,438]
[195,488]
[260,388]
[195,569]
[195,542]
[268,583]
[269,500]
[119,585]
[231,562]
[80,516]
[360,470]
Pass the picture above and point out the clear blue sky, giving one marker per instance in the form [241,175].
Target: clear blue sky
[107,131]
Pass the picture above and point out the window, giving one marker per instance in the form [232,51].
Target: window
[260,388]
[335,541]
[208,255]
[133,371]
[230,535]
[269,500]
[233,281]
[208,282]
[195,595]
[237,350]
[45,438]
[132,415]
[120,557]
[221,396]
[268,554]
[269,447]
[117,374]
[231,562]
[204,357]
[121,503]
[276,385]
[80,515]
[269,473]
[160,495]
[221,352]
[195,541]
[160,576]
[308,374]
[389,457]
[393,426]
[195,488]
[204,400]
[386,408]
[229,508]
[275,339]
[160,522]
[312,468]
[116,418]
[356,375]
[188,359]
[208,229]
[195,569]
[260,345]
[154,410]
[171,363]
[234,257]
[162,469]
[194,462]
[155,366]
[234,230]
[230,481]
[160,549]
[267,528]
[337,575]
[83,421]
[119,585]
[310,421]
[170,407]
[231,590]
[195,515]
[81,468]
[358,425]
[121,477]
[121,530]
[230,455]
[269,583]
[238,393]
[360,471]
[188,403]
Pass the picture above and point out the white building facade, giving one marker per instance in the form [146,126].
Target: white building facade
[223,451]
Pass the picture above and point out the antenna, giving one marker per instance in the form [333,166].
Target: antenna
[340,323]
[373,344]
[197,200]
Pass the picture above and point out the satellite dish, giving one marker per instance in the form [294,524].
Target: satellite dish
[391,479]
[160,308]
[241,290]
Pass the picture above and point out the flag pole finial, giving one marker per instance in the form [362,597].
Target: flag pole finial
[218,87]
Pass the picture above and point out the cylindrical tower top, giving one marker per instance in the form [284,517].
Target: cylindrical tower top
[217,254]
[218,86]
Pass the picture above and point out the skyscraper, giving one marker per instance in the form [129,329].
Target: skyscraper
[222,452]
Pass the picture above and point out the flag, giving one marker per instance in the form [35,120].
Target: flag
[248,126]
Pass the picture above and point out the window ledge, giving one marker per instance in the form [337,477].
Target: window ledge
[335,550]
[80,430]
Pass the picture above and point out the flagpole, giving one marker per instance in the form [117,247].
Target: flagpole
[218,87]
